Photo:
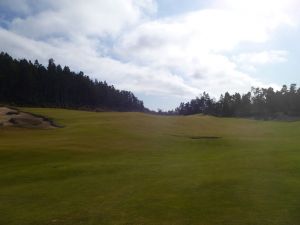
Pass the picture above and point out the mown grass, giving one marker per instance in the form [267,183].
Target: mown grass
[139,169]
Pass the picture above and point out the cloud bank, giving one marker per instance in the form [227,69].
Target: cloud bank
[127,44]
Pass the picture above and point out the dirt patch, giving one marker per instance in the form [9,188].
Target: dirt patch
[199,137]
[14,118]
[204,137]
[12,113]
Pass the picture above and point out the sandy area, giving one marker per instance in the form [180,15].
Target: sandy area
[14,118]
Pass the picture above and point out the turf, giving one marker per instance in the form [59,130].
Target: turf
[139,169]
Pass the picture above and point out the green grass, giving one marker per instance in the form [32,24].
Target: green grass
[139,169]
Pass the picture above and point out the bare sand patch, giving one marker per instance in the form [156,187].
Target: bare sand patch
[14,118]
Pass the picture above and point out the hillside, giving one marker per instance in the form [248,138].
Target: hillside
[134,168]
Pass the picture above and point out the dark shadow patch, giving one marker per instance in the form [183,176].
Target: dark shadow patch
[30,122]
[198,137]
[204,137]
[46,119]
[12,113]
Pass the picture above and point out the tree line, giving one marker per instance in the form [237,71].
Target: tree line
[24,83]
[259,102]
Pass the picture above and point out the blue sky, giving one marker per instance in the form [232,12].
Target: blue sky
[164,51]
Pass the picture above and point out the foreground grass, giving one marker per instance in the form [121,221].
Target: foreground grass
[133,168]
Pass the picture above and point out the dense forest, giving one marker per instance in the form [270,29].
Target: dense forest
[24,83]
[259,102]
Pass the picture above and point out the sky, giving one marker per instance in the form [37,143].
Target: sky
[164,51]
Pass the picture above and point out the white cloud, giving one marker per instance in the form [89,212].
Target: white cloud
[19,6]
[82,56]
[25,8]
[72,18]
[273,8]
[180,56]
[260,58]
[198,46]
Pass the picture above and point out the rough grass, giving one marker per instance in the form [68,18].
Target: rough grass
[133,168]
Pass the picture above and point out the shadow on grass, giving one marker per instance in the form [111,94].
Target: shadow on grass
[198,137]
